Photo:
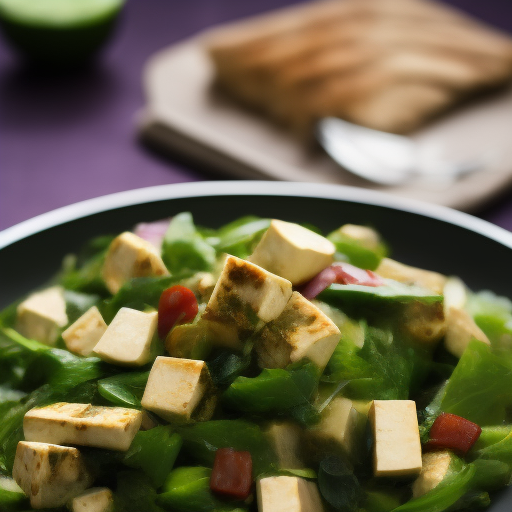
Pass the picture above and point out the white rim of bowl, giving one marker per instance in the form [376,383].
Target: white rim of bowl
[249,188]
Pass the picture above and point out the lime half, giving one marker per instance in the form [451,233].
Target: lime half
[61,32]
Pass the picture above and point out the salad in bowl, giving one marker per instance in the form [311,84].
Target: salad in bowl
[262,365]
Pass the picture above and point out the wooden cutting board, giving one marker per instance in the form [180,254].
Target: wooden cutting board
[184,115]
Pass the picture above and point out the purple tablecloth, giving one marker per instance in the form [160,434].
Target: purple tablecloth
[68,138]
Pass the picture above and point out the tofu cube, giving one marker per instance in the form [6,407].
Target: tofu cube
[130,256]
[425,323]
[97,499]
[42,315]
[436,466]
[338,428]
[460,330]
[180,390]
[130,339]
[285,439]
[288,494]
[301,330]
[455,294]
[82,336]
[392,269]
[112,428]
[244,299]
[397,447]
[50,475]
[293,252]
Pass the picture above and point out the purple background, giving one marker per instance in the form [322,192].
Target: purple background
[68,138]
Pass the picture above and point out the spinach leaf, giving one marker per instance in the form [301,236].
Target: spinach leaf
[493,314]
[338,484]
[227,366]
[201,441]
[59,368]
[188,490]
[356,252]
[125,389]
[11,426]
[392,292]
[386,368]
[77,303]
[184,248]
[240,237]
[276,391]
[82,272]
[135,493]
[154,451]
[480,388]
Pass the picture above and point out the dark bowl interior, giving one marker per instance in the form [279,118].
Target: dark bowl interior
[414,238]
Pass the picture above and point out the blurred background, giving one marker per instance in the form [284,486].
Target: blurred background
[69,133]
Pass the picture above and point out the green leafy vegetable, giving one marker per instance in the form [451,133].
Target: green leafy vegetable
[480,388]
[184,248]
[338,485]
[135,493]
[227,366]
[274,390]
[386,368]
[493,314]
[202,440]
[356,252]
[124,390]
[139,293]
[78,303]
[391,292]
[188,490]
[82,273]
[155,452]
[241,236]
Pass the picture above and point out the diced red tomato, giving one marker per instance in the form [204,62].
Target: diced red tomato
[177,305]
[453,433]
[340,273]
[232,473]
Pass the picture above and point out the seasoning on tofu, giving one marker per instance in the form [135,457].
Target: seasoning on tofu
[50,475]
[300,331]
[245,298]
[111,428]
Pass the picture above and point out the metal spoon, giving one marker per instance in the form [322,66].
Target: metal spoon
[386,158]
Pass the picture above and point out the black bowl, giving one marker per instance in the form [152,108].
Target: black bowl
[420,234]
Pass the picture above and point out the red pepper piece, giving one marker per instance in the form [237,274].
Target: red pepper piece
[454,433]
[177,305]
[232,473]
